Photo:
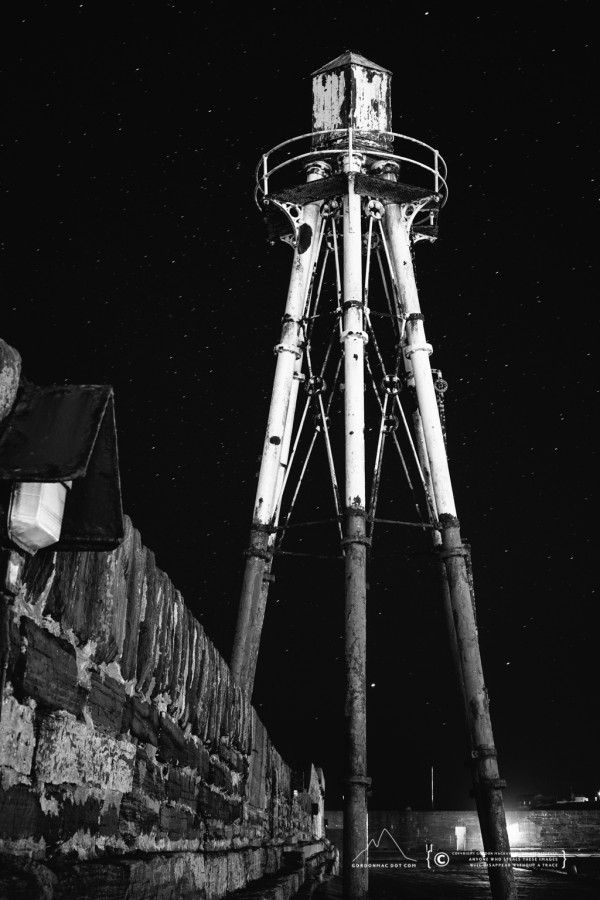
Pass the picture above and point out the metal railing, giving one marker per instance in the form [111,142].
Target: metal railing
[438,168]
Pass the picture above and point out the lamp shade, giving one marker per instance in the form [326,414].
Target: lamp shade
[58,434]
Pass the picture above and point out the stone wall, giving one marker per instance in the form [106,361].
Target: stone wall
[130,764]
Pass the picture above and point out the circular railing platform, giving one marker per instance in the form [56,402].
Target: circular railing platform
[423,164]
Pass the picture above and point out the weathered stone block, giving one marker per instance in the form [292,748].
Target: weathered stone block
[215,881]
[73,814]
[212,805]
[149,779]
[20,813]
[178,822]
[135,573]
[182,787]
[17,739]
[174,747]
[25,879]
[220,776]
[106,702]
[49,670]
[109,818]
[137,816]
[70,752]
[141,719]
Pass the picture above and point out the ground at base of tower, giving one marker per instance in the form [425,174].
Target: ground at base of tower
[423,884]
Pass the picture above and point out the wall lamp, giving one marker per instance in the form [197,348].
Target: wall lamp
[59,481]
[59,470]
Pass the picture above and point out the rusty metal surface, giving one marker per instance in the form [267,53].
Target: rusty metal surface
[350,58]
[366,185]
[351,91]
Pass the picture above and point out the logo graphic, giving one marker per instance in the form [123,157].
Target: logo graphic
[385,851]
[441,858]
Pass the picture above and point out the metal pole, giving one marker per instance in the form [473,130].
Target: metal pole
[353,337]
[259,553]
[486,781]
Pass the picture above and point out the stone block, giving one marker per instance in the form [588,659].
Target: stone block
[215,881]
[17,738]
[48,672]
[135,571]
[181,787]
[70,752]
[178,822]
[105,702]
[216,807]
[137,816]
[141,719]
[149,779]
[174,747]
[26,879]
[20,813]
[220,776]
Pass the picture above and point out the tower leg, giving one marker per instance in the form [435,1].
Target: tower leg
[258,614]
[355,871]
[486,782]
[258,556]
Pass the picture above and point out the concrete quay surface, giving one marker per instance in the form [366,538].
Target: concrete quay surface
[466,884]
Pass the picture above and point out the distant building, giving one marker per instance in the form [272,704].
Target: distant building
[543,801]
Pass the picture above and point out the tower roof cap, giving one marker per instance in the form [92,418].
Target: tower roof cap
[350,58]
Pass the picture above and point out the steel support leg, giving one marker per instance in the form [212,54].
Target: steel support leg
[355,871]
[258,556]
[486,783]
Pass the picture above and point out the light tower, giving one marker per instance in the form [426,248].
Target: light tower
[353,221]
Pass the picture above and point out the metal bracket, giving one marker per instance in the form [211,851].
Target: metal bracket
[374,208]
[359,334]
[293,213]
[356,304]
[331,209]
[456,551]
[488,784]
[484,752]
[410,210]
[288,348]
[391,384]
[359,779]
[413,348]
[358,540]
[267,555]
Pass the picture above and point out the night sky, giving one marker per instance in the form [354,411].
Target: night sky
[134,255]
